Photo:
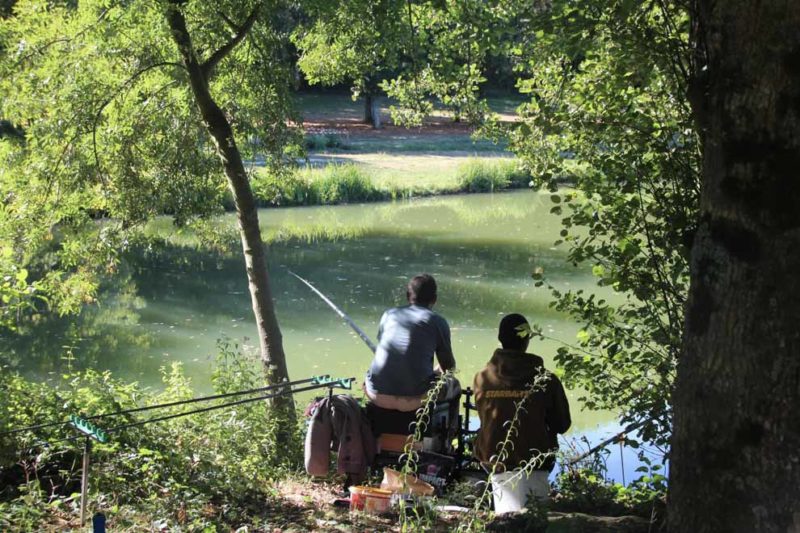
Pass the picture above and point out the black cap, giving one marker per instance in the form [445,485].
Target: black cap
[511,335]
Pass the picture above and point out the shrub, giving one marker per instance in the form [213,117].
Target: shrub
[322,141]
[343,184]
[480,175]
[587,491]
[203,471]
[289,189]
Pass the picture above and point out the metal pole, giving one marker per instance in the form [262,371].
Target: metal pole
[622,458]
[87,448]
[467,402]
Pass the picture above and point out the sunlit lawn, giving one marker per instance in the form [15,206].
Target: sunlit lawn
[422,158]
[428,171]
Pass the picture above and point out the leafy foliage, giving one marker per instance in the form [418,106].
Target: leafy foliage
[586,491]
[215,472]
[358,41]
[111,130]
[608,114]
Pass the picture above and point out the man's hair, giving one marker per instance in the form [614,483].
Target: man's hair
[421,290]
[511,335]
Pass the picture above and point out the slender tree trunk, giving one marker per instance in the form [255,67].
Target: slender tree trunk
[369,118]
[219,128]
[736,442]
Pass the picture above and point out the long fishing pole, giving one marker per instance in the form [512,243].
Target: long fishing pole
[170,404]
[225,405]
[341,383]
[618,436]
[353,325]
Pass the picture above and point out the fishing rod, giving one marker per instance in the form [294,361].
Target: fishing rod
[92,432]
[614,438]
[360,332]
[172,404]
[344,383]
[84,425]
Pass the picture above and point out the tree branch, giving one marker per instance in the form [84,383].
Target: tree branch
[128,83]
[224,50]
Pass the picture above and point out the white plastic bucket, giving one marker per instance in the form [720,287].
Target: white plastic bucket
[510,490]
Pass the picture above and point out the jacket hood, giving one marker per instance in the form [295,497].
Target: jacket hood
[513,364]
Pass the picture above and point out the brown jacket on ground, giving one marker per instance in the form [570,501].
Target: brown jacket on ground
[506,380]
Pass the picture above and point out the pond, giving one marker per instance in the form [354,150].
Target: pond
[175,305]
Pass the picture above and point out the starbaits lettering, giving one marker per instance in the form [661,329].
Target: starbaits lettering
[506,393]
[436,481]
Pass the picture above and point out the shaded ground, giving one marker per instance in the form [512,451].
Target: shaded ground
[337,114]
[314,501]
[304,506]
[339,108]
[309,508]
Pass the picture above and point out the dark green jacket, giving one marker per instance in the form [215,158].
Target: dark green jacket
[507,379]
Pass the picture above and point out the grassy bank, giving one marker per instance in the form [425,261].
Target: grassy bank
[351,183]
[224,470]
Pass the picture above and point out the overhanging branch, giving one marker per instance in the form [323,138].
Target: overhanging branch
[222,52]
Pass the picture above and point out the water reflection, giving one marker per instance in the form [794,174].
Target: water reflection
[174,301]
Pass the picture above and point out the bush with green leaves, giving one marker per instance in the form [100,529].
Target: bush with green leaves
[288,189]
[324,141]
[588,491]
[200,471]
[608,109]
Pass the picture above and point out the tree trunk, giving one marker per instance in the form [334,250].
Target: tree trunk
[376,112]
[369,117]
[735,463]
[219,128]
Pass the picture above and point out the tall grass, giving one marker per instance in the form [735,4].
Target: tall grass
[350,183]
[333,184]
[344,184]
[480,175]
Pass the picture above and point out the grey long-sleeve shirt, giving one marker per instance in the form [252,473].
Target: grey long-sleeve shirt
[408,338]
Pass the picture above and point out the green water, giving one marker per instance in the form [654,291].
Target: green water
[173,305]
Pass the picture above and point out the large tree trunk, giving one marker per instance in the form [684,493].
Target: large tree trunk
[736,442]
[219,128]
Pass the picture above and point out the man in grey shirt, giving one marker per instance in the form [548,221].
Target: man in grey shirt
[408,337]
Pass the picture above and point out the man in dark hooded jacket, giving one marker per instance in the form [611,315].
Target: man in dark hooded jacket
[511,376]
